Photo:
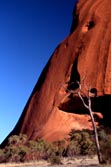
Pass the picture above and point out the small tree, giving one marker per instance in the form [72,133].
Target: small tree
[81,95]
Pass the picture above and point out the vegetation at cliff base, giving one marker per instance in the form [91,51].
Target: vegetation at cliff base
[80,143]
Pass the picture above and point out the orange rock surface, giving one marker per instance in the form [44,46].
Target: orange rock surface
[51,111]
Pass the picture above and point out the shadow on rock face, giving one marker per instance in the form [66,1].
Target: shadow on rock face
[101,104]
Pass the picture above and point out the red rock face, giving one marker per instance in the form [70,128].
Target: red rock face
[51,112]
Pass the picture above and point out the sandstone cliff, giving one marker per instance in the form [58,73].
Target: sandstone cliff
[51,112]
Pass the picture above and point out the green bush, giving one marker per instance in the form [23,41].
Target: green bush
[15,153]
[87,144]
[1,152]
[55,159]
[2,156]
[105,145]
[81,143]
[42,148]
[16,149]
[59,147]
[17,140]
[73,149]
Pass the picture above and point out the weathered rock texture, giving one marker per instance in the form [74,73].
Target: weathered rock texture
[51,112]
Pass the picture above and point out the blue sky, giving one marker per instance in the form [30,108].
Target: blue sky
[30,30]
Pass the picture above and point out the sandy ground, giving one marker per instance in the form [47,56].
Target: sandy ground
[66,162]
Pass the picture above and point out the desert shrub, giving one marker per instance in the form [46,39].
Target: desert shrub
[12,140]
[55,159]
[106,151]
[105,145]
[59,147]
[16,154]
[22,151]
[2,156]
[75,136]
[17,140]
[39,145]
[1,152]
[87,144]
[41,148]
[11,152]
[73,149]
[45,150]
[16,149]
[81,143]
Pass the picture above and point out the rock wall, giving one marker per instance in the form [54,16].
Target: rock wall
[85,55]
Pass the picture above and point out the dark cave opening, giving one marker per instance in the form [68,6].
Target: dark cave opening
[91,24]
[102,104]
[72,85]
[99,104]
